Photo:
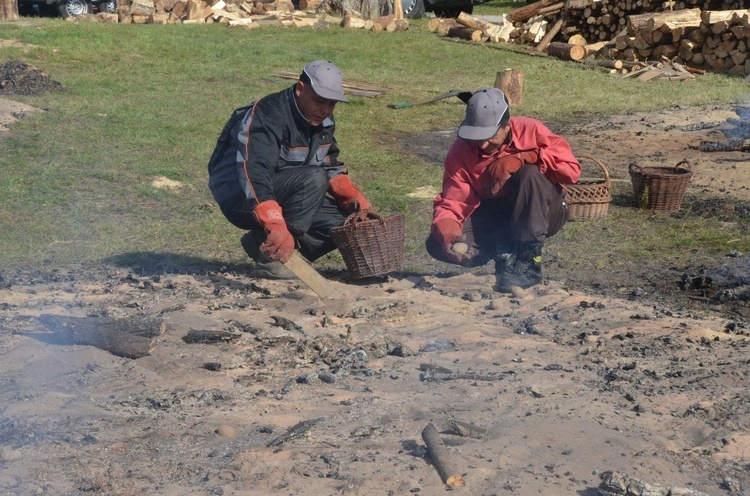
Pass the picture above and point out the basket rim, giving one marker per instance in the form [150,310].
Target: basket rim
[351,226]
[681,169]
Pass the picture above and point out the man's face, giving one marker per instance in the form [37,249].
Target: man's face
[313,107]
[489,146]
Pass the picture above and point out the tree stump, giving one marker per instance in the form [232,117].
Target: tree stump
[510,81]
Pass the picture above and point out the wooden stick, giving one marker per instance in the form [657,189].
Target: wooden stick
[441,458]
[550,34]
[309,276]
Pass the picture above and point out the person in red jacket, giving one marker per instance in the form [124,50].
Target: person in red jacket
[502,192]
[275,172]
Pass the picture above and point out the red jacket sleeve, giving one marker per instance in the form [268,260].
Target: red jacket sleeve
[459,197]
[556,159]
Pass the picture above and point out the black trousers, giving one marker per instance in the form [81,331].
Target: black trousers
[532,211]
[309,213]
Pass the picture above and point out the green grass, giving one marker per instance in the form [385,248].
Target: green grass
[149,101]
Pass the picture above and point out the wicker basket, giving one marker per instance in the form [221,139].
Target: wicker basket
[589,199]
[660,188]
[370,244]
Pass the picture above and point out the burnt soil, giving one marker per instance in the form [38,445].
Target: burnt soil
[640,369]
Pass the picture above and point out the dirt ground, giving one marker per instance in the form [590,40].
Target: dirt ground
[255,387]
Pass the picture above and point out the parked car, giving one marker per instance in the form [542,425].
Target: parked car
[414,9]
[65,8]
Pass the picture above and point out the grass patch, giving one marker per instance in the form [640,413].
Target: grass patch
[149,101]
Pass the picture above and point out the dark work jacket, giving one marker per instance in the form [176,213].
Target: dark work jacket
[266,136]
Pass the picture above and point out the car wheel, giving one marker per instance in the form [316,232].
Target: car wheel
[453,12]
[413,9]
[109,6]
[74,8]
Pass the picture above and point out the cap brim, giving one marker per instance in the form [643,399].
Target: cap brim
[476,133]
[330,95]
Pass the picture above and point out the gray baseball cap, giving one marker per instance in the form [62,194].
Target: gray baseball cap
[325,79]
[484,113]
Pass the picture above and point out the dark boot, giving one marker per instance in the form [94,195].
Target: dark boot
[502,262]
[523,268]
[251,242]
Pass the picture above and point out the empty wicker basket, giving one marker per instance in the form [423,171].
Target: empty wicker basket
[371,245]
[589,198]
[660,188]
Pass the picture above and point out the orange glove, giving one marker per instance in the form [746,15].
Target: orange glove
[447,232]
[499,172]
[347,195]
[279,243]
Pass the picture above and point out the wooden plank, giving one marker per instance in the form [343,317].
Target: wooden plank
[309,276]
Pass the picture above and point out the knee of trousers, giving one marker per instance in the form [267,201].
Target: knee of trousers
[528,172]
[313,180]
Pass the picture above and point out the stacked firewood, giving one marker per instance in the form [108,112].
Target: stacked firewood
[247,13]
[686,40]
[598,20]
[388,23]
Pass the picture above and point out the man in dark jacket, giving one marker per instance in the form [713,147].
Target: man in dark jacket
[275,172]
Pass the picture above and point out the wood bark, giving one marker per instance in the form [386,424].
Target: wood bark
[8,10]
[510,81]
[441,458]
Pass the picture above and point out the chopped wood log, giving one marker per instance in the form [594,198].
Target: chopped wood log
[690,18]
[435,22]
[128,338]
[380,23]
[510,81]
[577,39]
[351,21]
[609,64]
[487,28]
[714,16]
[566,51]
[465,33]
[523,14]
[397,25]
[441,458]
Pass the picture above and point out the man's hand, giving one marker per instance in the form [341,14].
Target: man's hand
[498,172]
[348,196]
[448,232]
[279,243]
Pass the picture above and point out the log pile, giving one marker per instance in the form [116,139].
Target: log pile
[626,30]
[246,13]
[598,20]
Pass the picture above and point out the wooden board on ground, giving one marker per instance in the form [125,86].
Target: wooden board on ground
[309,276]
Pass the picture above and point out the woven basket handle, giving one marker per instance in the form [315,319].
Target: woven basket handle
[682,165]
[362,216]
[601,166]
